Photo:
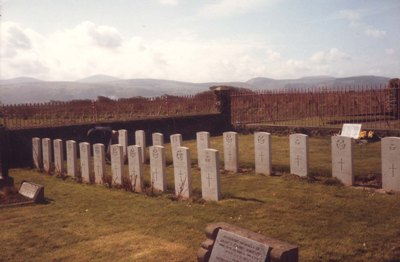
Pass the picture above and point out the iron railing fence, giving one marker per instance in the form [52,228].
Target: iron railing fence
[105,110]
[375,107]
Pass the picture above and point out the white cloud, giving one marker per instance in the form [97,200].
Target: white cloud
[390,51]
[273,56]
[375,33]
[356,22]
[332,55]
[226,8]
[168,2]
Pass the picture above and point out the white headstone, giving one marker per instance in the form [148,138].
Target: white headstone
[157,168]
[84,151]
[231,151]
[391,163]
[140,140]
[37,152]
[342,159]
[183,173]
[176,141]
[158,139]
[58,156]
[351,130]
[117,164]
[203,142]
[210,176]
[123,139]
[299,154]
[135,167]
[262,148]
[99,162]
[46,150]
[72,163]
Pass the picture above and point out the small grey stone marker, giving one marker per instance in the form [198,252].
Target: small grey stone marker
[158,139]
[157,168]
[46,150]
[37,152]
[183,173]
[135,167]
[299,154]
[262,149]
[351,130]
[231,151]
[72,162]
[202,142]
[342,159]
[58,156]
[99,162]
[176,141]
[123,139]
[391,163]
[32,191]
[210,176]
[84,151]
[117,163]
[140,140]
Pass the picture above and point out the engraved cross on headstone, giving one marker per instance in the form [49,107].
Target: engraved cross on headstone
[155,174]
[341,164]
[298,160]
[392,168]
[261,156]
[209,178]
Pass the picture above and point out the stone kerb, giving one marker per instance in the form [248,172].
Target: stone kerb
[231,151]
[99,162]
[72,162]
[390,148]
[158,168]
[210,176]
[135,164]
[298,154]
[342,159]
[262,149]
[183,173]
[202,142]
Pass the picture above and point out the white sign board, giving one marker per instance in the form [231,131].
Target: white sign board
[351,130]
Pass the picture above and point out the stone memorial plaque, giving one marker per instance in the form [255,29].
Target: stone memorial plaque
[72,162]
[37,152]
[183,173]
[342,159]
[176,141]
[262,149]
[229,246]
[32,191]
[140,140]
[99,162]
[46,150]
[117,164]
[351,130]
[391,163]
[157,168]
[299,154]
[210,176]
[231,151]
[58,156]
[123,139]
[84,150]
[158,139]
[203,142]
[135,164]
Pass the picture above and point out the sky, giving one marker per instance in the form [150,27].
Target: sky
[199,40]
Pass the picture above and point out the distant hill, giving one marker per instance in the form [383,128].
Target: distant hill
[31,90]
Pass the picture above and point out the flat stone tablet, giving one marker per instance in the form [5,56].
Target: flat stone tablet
[210,176]
[58,156]
[262,149]
[299,154]
[37,152]
[391,163]
[84,151]
[342,159]
[32,191]
[99,162]
[202,142]
[72,162]
[46,150]
[231,151]
[176,141]
[135,164]
[351,130]
[158,139]
[158,168]
[117,164]
[123,139]
[183,173]
[140,140]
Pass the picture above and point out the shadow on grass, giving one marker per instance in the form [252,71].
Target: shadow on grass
[232,196]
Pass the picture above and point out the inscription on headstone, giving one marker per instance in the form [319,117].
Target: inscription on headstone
[117,163]
[84,150]
[203,142]
[136,167]
[391,163]
[262,148]
[299,154]
[123,139]
[46,149]
[99,162]
[72,166]
[342,159]
[58,156]
[231,151]
[32,191]
[183,173]
[157,168]
[210,176]
[351,130]
[158,139]
[140,139]
[37,152]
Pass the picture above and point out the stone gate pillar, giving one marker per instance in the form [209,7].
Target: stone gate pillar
[223,95]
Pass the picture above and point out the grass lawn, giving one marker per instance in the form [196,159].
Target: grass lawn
[84,222]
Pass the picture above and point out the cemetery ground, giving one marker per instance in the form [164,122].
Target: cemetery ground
[329,222]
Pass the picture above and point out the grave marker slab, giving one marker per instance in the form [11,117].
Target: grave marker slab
[72,162]
[351,130]
[203,142]
[117,163]
[158,139]
[299,154]
[262,149]
[176,141]
[99,162]
[210,176]
[140,139]
[231,151]
[123,139]
[391,163]
[37,152]
[84,151]
[342,159]
[136,167]
[32,191]
[183,173]
[157,168]
[46,150]
[58,156]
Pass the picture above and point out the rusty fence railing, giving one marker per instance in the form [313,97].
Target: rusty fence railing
[374,107]
[104,110]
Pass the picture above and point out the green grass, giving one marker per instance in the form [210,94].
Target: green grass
[84,222]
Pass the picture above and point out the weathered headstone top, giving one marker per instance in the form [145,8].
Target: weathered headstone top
[351,130]
[32,191]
